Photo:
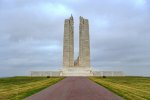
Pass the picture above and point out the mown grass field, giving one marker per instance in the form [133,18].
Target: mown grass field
[17,88]
[130,88]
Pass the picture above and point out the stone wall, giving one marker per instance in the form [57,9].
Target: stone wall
[108,73]
[76,72]
[45,73]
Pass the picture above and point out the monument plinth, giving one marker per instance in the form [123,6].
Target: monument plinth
[81,66]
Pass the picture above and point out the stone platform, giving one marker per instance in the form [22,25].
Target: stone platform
[77,71]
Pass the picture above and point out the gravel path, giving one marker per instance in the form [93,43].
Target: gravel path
[75,88]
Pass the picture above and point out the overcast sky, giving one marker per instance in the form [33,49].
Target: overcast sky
[31,34]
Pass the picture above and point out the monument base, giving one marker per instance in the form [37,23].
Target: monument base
[76,71]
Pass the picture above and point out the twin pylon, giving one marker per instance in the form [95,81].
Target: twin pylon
[83,59]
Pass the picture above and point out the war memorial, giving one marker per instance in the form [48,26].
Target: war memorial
[81,66]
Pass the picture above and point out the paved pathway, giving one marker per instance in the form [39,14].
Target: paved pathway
[75,88]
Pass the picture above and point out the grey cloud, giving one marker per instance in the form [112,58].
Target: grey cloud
[31,34]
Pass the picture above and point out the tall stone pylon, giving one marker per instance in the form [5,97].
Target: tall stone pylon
[81,66]
[84,43]
[68,47]
[83,59]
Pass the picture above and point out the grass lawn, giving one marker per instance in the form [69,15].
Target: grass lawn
[17,88]
[130,88]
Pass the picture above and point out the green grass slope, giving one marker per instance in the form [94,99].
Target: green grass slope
[130,88]
[17,88]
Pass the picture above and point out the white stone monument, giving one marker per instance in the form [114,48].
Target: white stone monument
[81,66]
